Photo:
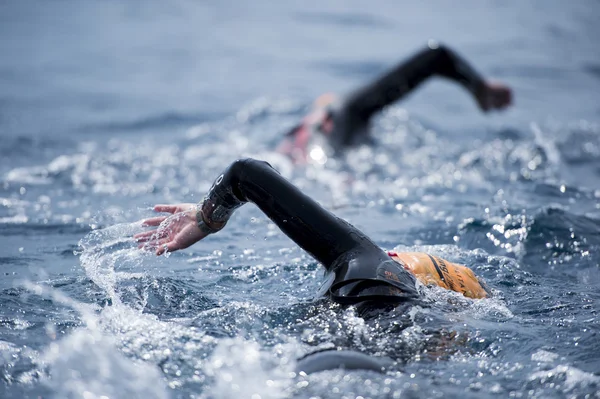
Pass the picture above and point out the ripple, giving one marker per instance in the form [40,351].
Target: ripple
[167,120]
[346,19]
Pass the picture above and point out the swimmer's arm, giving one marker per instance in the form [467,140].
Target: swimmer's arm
[434,60]
[319,232]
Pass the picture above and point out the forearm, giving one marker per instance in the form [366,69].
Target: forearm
[395,84]
[313,228]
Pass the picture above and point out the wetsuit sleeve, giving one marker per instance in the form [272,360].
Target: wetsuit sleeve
[434,60]
[319,232]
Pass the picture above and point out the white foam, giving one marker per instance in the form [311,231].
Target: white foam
[86,364]
[241,369]
[572,377]
[543,356]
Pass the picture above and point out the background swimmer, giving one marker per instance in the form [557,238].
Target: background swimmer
[344,121]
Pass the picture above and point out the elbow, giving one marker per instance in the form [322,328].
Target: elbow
[241,167]
[438,48]
[244,173]
[237,167]
[440,53]
[248,170]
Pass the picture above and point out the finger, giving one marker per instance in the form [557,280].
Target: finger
[154,221]
[153,235]
[144,235]
[152,244]
[155,242]
[166,208]
[161,250]
[502,99]
[166,246]
[147,247]
[146,239]
[508,96]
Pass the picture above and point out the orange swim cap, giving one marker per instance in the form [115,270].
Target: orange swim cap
[429,270]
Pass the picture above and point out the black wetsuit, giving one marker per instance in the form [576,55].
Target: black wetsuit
[360,271]
[351,116]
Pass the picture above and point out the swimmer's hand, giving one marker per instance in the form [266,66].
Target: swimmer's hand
[177,231]
[494,95]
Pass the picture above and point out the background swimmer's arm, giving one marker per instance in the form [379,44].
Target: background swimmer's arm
[319,232]
[433,60]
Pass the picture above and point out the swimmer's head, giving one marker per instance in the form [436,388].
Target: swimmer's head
[325,100]
[431,270]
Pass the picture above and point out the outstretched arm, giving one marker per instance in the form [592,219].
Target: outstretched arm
[319,232]
[433,60]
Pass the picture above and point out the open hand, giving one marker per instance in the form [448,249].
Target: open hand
[494,95]
[174,232]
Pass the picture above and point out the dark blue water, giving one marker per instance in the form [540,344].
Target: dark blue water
[107,108]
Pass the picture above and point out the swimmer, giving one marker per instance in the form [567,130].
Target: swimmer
[358,271]
[344,122]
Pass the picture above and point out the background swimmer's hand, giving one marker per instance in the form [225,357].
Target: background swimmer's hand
[494,95]
[177,231]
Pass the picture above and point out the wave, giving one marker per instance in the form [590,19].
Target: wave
[550,237]
[152,122]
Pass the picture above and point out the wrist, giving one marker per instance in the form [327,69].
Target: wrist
[205,224]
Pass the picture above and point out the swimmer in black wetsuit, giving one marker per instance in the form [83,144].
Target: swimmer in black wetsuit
[359,272]
[345,121]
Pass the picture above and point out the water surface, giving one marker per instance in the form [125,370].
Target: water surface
[109,107]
